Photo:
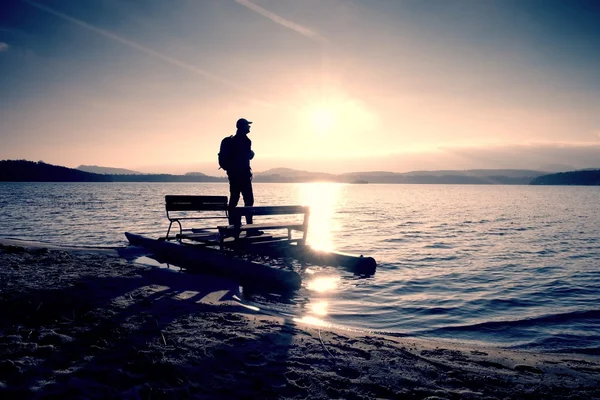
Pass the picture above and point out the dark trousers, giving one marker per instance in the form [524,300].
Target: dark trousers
[240,185]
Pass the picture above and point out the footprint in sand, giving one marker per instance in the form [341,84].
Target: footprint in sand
[255,359]
[528,368]
[348,372]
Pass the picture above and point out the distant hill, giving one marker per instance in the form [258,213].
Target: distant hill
[292,175]
[166,178]
[466,177]
[106,170]
[586,177]
[22,170]
[475,176]
[29,171]
[509,173]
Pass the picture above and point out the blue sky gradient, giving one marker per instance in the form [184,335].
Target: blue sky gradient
[342,85]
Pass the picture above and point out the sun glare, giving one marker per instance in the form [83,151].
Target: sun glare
[323,118]
[323,199]
[323,284]
[319,308]
[310,320]
[331,114]
[331,124]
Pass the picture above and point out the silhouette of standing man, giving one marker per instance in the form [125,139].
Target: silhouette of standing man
[239,171]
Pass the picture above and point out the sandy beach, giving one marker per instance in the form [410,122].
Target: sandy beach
[89,323]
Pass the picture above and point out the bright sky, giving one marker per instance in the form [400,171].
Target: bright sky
[331,85]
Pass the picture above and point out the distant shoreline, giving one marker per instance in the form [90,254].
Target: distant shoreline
[28,171]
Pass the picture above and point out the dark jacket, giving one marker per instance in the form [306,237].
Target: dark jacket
[241,148]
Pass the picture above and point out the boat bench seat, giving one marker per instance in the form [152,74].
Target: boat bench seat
[300,224]
[267,225]
[196,236]
[182,208]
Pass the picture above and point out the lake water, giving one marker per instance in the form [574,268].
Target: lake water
[510,266]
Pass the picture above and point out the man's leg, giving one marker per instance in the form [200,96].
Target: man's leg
[248,194]
[234,197]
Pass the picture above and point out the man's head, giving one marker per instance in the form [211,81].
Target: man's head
[243,125]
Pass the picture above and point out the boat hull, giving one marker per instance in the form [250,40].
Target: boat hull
[357,264]
[201,259]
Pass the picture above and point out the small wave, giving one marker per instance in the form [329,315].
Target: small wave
[578,256]
[442,225]
[438,246]
[549,269]
[563,343]
[518,229]
[436,311]
[414,235]
[429,259]
[408,224]
[395,240]
[595,351]
[545,252]
[527,322]
[469,222]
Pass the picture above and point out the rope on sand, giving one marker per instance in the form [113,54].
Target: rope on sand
[325,347]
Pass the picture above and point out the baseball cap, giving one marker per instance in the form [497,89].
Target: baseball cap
[242,122]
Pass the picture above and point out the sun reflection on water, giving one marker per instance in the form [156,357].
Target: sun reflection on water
[322,198]
[322,284]
[319,308]
[307,319]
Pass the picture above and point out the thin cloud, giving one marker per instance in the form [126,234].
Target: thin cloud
[301,29]
[554,157]
[4,47]
[138,46]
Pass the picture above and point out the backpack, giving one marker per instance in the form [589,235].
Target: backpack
[226,153]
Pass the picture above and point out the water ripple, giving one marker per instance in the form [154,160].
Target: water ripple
[510,265]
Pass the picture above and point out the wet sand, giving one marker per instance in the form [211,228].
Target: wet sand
[89,323]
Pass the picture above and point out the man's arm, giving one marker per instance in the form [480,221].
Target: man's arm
[250,152]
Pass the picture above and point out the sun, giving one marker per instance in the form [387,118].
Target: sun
[323,118]
[333,126]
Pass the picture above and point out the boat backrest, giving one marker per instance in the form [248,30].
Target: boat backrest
[181,208]
[271,210]
[195,203]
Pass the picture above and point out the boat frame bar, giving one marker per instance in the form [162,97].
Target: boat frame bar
[237,228]
[180,208]
[188,207]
